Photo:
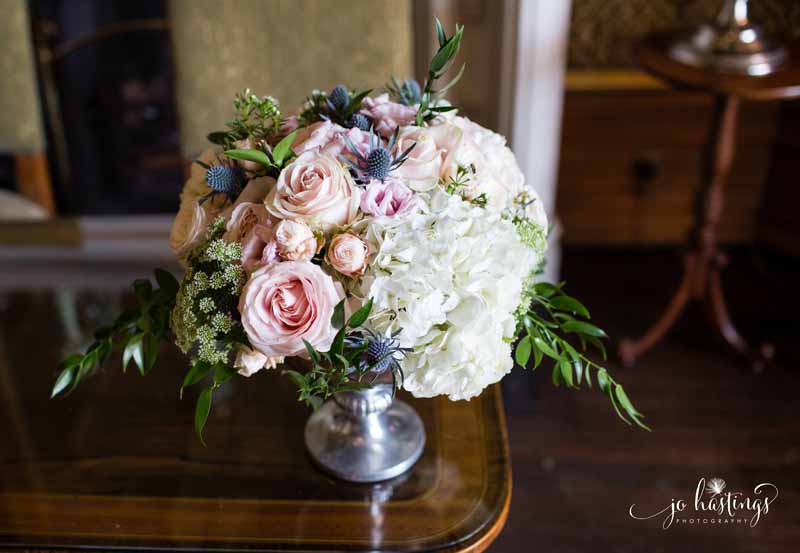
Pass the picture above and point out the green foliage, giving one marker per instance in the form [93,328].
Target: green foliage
[317,106]
[137,331]
[274,161]
[339,369]
[255,118]
[439,65]
[547,318]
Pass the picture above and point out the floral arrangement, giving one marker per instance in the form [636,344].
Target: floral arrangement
[370,234]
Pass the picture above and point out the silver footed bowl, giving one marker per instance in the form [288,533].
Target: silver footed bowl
[365,436]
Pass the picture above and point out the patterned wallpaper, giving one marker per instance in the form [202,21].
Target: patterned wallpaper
[283,48]
[20,120]
[603,31]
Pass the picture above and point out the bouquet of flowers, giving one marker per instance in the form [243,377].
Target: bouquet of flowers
[369,234]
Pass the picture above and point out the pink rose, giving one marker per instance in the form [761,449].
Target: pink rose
[390,198]
[387,115]
[189,228]
[243,219]
[285,303]
[328,138]
[314,188]
[295,241]
[423,166]
[348,254]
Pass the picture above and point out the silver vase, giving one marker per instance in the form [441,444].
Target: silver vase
[365,436]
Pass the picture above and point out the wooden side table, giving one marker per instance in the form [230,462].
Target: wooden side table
[704,260]
[117,464]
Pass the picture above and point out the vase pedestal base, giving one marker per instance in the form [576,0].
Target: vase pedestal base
[365,436]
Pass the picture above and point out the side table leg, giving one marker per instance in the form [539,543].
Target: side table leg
[721,319]
[630,349]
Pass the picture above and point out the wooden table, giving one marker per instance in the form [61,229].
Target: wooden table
[117,465]
[704,260]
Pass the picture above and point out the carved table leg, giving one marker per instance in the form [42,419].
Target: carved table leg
[701,278]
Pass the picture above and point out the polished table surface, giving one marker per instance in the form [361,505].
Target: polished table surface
[117,463]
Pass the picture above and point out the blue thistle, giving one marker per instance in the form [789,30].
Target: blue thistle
[223,179]
[339,98]
[379,161]
[358,121]
[379,352]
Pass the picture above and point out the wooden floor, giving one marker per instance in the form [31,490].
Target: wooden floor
[577,469]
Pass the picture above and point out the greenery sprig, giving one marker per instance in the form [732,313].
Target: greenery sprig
[137,332]
[272,161]
[255,118]
[553,313]
[439,65]
[342,367]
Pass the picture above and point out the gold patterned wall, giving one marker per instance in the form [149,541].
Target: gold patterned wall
[603,31]
[20,119]
[284,48]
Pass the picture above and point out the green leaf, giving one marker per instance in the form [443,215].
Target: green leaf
[359,317]
[149,351]
[537,357]
[566,372]
[440,35]
[143,290]
[201,411]
[223,373]
[337,347]
[219,137]
[623,399]
[567,303]
[602,380]
[523,352]
[133,350]
[337,320]
[448,86]
[283,149]
[64,379]
[250,155]
[582,327]
[446,52]
[167,282]
[298,379]
[312,353]
[355,102]
[196,373]
[315,402]
[546,289]
[545,348]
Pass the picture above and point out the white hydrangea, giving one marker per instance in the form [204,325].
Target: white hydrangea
[451,277]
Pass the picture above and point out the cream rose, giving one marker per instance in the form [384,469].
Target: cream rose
[243,219]
[285,303]
[295,241]
[188,229]
[348,254]
[314,188]
[423,166]
[250,361]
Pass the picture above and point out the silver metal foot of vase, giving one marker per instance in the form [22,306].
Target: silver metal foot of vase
[365,436]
